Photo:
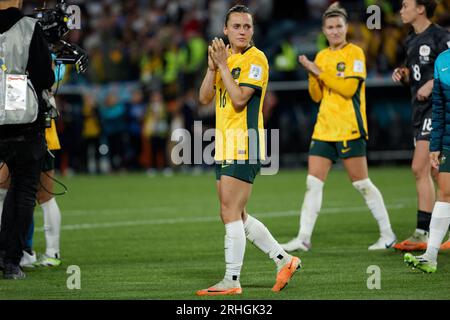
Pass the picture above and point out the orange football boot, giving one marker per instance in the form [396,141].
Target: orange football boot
[418,241]
[285,274]
[446,245]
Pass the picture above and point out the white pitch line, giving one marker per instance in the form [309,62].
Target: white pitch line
[203,219]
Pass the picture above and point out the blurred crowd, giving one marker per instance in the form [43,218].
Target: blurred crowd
[147,60]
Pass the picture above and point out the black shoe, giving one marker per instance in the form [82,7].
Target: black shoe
[13,272]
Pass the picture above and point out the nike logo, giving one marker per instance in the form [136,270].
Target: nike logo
[226,165]
[389,245]
[425,133]
[445,69]
[346,150]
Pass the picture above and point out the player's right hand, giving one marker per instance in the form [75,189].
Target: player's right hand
[310,66]
[398,75]
[434,159]
[211,64]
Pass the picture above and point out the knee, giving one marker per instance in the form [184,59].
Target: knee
[43,196]
[226,212]
[230,211]
[419,170]
[313,183]
[365,187]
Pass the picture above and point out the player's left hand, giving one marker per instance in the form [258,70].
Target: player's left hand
[220,52]
[425,91]
[434,159]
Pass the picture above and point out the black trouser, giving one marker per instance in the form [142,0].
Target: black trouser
[24,159]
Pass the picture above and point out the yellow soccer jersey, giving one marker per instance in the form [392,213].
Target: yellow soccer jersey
[340,118]
[52,137]
[240,135]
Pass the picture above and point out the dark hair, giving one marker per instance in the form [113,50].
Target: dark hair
[239,9]
[430,6]
[335,10]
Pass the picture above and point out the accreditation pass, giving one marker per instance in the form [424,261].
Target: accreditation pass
[16,92]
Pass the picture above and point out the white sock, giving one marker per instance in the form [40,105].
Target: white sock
[234,249]
[310,208]
[52,227]
[440,220]
[258,234]
[3,193]
[374,201]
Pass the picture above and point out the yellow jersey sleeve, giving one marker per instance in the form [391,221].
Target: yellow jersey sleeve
[314,84]
[255,72]
[357,64]
[315,89]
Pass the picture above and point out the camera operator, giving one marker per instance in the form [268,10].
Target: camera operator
[22,145]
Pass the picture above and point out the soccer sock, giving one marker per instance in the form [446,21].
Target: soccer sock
[234,249]
[52,227]
[29,239]
[258,234]
[374,201]
[440,222]
[3,193]
[310,208]
[423,220]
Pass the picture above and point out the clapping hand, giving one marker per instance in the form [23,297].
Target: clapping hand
[310,66]
[220,52]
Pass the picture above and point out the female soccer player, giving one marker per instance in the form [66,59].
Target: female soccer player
[336,79]
[439,158]
[423,44]
[237,76]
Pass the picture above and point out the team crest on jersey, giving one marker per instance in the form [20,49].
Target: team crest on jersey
[424,52]
[340,68]
[235,73]
[443,159]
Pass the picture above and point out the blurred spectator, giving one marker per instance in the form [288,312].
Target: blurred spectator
[156,130]
[91,134]
[114,130]
[285,63]
[136,110]
[195,63]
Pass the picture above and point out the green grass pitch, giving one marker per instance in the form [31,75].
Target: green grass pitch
[137,237]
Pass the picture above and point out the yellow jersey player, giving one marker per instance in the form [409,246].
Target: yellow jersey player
[237,76]
[47,201]
[337,81]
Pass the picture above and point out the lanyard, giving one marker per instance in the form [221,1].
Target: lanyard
[3,65]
